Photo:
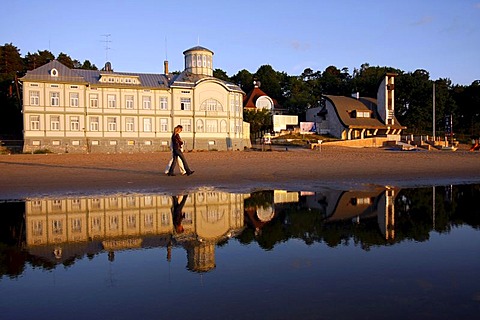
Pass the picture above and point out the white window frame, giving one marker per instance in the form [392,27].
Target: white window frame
[163,125]
[200,125]
[94,124]
[111,101]
[186,124]
[186,104]
[74,123]
[74,99]
[147,125]
[55,123]
[163,103]
[34,98]
[112,123]
[129,102]
[35,122]
[55,99]
[129,124]
[211,125]
[147,102]
[93,100]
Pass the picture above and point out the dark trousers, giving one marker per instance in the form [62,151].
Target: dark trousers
[177,153]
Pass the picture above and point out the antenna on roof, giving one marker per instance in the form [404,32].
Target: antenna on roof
[166,53]
[107,41]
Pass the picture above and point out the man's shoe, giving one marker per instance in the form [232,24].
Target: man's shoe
[171,174]
[190,173]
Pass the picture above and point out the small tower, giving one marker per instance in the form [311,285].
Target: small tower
[199,60]
[386,98]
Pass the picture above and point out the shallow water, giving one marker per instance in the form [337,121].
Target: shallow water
[343,254]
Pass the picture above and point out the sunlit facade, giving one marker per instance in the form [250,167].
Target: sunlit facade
[83,111]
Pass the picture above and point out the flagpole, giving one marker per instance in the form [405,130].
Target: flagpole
[434,113]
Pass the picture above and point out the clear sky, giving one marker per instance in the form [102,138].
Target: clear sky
[440,36]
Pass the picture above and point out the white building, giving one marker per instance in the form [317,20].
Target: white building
[353,118]
[75,110]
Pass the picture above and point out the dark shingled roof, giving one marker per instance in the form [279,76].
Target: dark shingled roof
[147,80]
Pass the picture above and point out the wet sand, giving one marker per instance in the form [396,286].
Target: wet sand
[23,176]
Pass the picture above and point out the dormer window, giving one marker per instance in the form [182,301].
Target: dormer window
[54,72]
[360,114]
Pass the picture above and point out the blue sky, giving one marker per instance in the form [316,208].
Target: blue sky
[440,36]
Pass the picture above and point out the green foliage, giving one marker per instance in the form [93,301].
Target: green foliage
[220,74]
[259,120]
[296,93]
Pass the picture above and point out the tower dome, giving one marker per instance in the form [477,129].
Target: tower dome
[199,60]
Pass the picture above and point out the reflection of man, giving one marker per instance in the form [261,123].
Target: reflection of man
[178,215]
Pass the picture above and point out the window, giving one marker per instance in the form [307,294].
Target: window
[111,101]
[74,123]
[37,228]
[129,102]
[223,126]
[185,104]
[74,99]
[129,124]
[204,60]
[211,125]
[199,60]
[163,103]
[194,60]
[237,105]
[363,114]
[76,225]
[147,103]
[34,122]
[232,103]
[199,125]
[147,124]
[57,227]
[163,125]
[55,123]
[94,100]
[94,124]
[211,105]
[34,98]
[54,99]
[186,124]
[112,124]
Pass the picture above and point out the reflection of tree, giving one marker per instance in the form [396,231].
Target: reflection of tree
[259,199]
[415,220]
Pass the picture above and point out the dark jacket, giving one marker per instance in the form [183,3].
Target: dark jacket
[176,142]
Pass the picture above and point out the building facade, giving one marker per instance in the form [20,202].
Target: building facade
[83,111]
[352,118]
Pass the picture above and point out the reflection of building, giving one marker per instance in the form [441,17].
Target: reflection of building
[55,226]
[259,215]
[336,205]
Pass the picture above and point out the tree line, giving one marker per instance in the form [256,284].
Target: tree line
[296,93]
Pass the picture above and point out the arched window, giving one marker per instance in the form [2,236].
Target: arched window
[211,105]
[199,125]
[223,126]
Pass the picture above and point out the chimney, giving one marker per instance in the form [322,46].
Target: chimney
[165,66]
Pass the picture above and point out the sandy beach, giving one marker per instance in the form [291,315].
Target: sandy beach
[25,175]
